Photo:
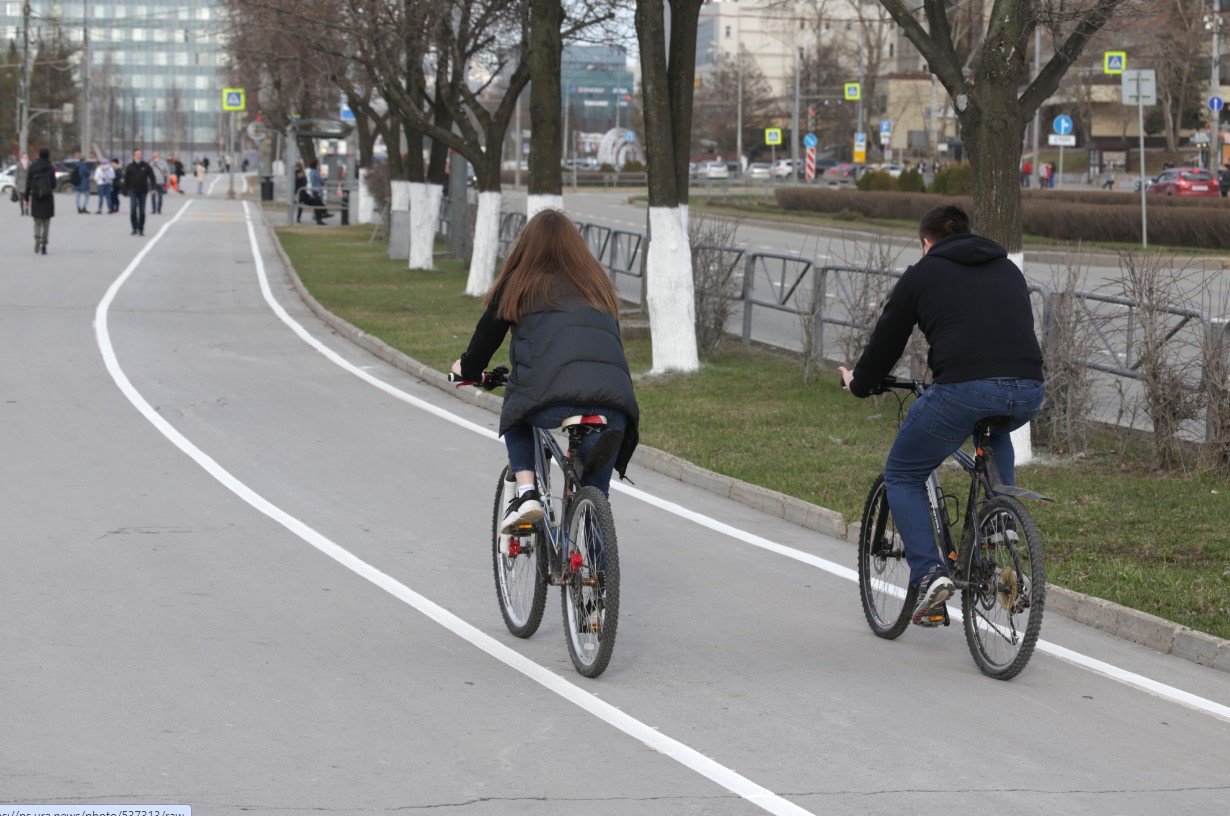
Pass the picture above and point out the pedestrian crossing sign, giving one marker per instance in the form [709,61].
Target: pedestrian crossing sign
[1114,62]
[854,91]
[232,99]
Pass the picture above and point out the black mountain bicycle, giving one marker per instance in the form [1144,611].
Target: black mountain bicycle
[572,547]
[997,565]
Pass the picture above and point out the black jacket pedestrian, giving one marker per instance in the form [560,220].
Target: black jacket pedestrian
[138,177]
[41,208]
[971,302]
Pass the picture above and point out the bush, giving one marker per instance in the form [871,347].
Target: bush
[877,180]
[957,180]
[633,166]
[911,181]
[606,168]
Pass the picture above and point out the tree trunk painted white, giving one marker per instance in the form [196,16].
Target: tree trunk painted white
[365,205]
[669,292]
[399,220]
[1022,438]
[486,245]
[424,212]
[536,203]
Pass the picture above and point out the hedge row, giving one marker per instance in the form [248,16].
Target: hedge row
[1042,215]
[1117,198]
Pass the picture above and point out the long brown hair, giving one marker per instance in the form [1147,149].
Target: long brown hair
[548,262]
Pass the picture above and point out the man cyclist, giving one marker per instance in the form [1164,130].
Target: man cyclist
[972,304]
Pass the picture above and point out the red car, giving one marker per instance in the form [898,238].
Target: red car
[1185,181]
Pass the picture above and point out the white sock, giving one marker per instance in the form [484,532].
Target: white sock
[523,489]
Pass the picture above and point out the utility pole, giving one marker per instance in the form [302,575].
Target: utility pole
[23,88]
[86,135]
[1215,115]
[794,122]
[739,113]
[1037,169]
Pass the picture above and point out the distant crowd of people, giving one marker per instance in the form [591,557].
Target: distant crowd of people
[36,179]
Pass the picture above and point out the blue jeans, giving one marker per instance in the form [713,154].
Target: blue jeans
[155,198]
[519,439]
[136,210]
[104,197]
[82,198]
[937,424]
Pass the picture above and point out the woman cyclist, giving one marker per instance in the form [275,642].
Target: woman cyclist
[566,356]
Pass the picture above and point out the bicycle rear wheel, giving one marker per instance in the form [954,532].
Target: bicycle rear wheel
[883,572]
[520,565]
[1003,604]
[591,591]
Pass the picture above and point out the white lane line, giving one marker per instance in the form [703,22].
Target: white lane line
[1115,673]
[685,755]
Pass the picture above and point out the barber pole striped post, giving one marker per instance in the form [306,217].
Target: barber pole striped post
[811,163]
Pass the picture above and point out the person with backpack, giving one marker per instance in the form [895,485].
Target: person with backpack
[40,190]
[162,173]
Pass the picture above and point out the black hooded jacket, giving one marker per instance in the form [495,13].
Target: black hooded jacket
[971,303]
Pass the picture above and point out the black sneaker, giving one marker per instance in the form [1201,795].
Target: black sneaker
[524,509]
[933,589]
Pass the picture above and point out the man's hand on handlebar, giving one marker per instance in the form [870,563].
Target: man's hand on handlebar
[846,376]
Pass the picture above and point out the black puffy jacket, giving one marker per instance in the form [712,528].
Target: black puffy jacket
[571,354]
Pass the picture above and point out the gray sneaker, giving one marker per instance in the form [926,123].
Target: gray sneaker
[934,588]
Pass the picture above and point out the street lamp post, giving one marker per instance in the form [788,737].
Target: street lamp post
[1213,22]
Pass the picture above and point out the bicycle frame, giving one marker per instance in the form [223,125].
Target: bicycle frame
[555,531]
[976,467]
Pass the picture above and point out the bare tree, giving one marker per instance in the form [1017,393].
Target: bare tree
[667,74]
[1069,342]
[716,263]
[991,108]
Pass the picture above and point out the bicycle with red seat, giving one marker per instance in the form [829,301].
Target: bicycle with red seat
[573,546]
[996,562]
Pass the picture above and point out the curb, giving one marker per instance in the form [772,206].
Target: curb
[1130,624]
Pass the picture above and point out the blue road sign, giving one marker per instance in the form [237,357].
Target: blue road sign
[809,140]
[886,125]
[1216,103]
[1062,124]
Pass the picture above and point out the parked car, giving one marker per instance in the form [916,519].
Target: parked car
[759,170]
[716,170]
[782,168]
[892,168]
[7,176]
[843,175]
[1185,181]
[734,168]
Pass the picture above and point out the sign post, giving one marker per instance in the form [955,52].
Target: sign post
[1215,105]
[860,148]
[1140,89]
[232,100]
[773,137]
[1063,128]
[809,142]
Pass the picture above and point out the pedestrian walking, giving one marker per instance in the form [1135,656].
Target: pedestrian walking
[1108,180]
[1027,170]
[205,163]
[104,177]
[162,172]
[316,191]
[40,192]
[20,176]
[179,175]
[198,171]
[117,186]
[138,178]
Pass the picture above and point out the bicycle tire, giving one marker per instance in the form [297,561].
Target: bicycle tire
[520,580]
[883,572]
[1004,603]
[591,611]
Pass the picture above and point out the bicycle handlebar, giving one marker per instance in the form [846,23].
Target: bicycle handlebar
[901,384]
[490,381]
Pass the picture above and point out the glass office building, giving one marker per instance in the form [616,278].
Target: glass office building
[598,87]
[156,69]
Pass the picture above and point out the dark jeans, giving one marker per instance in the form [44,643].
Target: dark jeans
[519,439]
[937,424]
[155,198]
[136,209]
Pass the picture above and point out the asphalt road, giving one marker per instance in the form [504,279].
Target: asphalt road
[246,568]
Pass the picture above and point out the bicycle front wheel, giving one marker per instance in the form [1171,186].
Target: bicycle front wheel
[520,563]
[591,587]
[1003,603]
[883,572]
